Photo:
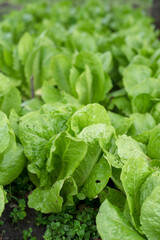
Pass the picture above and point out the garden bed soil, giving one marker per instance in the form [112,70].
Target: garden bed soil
[11,231]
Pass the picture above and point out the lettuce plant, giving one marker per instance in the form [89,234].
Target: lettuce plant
[66,159]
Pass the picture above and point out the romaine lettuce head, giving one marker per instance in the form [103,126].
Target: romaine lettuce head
[64,155]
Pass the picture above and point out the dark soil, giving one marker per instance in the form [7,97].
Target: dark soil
[155,13]
[15,232]
[7,7]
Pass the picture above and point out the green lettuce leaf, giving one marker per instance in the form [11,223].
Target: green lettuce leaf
[142,103]
[25,46]
[5,84]
[97,180]
[150,215]
[155,112]
[148,186]
[3,200]
[153,146]
[84,86]
[135,79]
[31,105]
[142,124]
[11,100]
[51,200]
[4,132]
[120,123]
[116,197]
[60,69]
[66,153]
[129,148]
[112,224]
[134,173]
[12,159]
[86,116]
[101,84]
[12,163]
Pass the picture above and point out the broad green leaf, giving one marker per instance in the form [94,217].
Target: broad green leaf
[32,70]
[100,85]
[133,76]
[60,69]
[91,135]
[128,52]
[128,148]
[112,225]
[113,160]
[134,42]
[151,182]
[47,200]
[155,163]
[116,174]
[12,164]
[81,41]
[12,159]
[68,192]
[97,180]
[3,200]
[99,131]
[49,93]
[109,149]
[51,200]
[34,135]
[86,166]
[31,105]
[66,153]
[141,123]
[4,132]
[73,76]
[116,197]
[68,99]
[14,121]
[39,176]
[25,46]
[121,103]
[142,103]
[155,112]
[106,59]
[12,100]
[134,173]
[154,143]
[84,86]
[5,84]
[150,215]
[141,60]
[120,123]
[88,115]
